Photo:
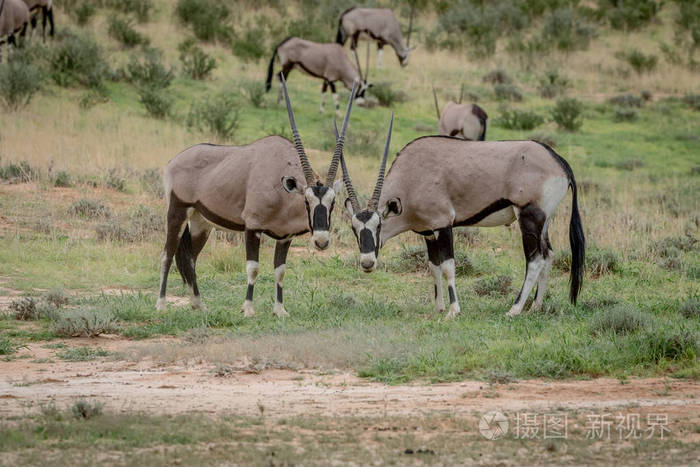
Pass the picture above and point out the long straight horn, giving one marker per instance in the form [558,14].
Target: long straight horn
[346,177]
[340,140]
[461,93]
[305,166]
[357,60]
[367,63]
[374,201]
[410,27]
[437,107]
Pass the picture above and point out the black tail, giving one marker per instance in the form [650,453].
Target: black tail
[577,242]
[184,259]
[270,69]
[340,37]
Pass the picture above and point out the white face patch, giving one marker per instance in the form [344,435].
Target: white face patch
[311,199]
[328,199]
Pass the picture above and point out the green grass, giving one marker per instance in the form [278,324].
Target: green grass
[82,354]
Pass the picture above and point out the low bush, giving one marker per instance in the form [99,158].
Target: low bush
[84,410]
[19,172]
[663,343]
[619,319]
[630,14]
[84,323]
[254,90]
[250,47]
[196,63]
[77,60]
[514,119]
[386,96]
[158,102]
[83,12]
[497,76]
[123,31]
[507,92]
[638,60]
[91,208]
[567,114]
[81,354]
[599,261]
[115,179]
[30,309]
[567,30]
[152,182]
[690,308]
[692,101]
[62,179]
[144,220]
[626,100]
[552,84]
[57,297]
[494,285]
[141,9]
[208,18]
[147,70]
[20,80]
[6,346]
[625,114]
[216,115]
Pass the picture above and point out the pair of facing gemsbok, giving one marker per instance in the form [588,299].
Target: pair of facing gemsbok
[436,183]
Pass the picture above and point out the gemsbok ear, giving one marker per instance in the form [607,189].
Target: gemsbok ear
[337,186]
[291,185]
[348,206]
[393,208]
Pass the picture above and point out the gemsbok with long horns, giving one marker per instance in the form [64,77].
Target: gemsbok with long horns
[45,7]
[266,187]
[379,24]
[326,61]
[466,120]
[437,183]
[14,18]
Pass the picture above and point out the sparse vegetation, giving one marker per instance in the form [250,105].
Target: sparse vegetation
[122,30]
[20,80]
[85,410]
[515,119]
[639,61]
[77,59]
[91,208]
[567,114]
[217,115]
[195,62]
[208,19]
[82,354]
[83,323]
[387,96]
[619,319]
[553,84]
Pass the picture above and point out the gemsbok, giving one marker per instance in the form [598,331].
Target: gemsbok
[379,24]
[437,183]
[266,187]
[468,120]
[14,18]
[327,61]
[45,7]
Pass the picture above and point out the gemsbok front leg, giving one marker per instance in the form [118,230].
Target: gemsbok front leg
[177,219]
[281,250]
[252,265]
[532,220]
[434,263]
[441,254]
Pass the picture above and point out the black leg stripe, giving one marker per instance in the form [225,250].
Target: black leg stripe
[249,293]
[279,294]
[435,289]
[451,291]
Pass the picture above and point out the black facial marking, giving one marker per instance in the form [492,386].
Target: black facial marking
[451,291]
[320,218]
[249,292]
[364,216]
[366,241]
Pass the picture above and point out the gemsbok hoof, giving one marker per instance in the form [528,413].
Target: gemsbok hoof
[196,303]
[454,311]
[280,311]
[514,311]
[161,305]
[247,309]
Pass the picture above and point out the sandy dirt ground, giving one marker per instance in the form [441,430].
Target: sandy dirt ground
[144,385]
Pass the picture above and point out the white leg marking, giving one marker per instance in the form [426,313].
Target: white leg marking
[533,272]
[336,104]
[323,101]
[437,280]
[542,284]
[161,303]
[379,58]
[448,269]
[251,268]
[247,309]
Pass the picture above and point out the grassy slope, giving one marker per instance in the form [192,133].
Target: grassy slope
[381,325]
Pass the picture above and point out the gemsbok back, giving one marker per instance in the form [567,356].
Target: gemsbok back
[266,187]
[437,183]
[326,61]
[379,24]
[468,120]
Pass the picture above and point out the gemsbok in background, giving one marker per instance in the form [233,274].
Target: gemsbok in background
[466,120]
[266,187]
[14,18]
[437,183]
[45,7]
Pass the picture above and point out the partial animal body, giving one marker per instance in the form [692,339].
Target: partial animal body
[379,24]
[326,61]
[466,120]
[266,187]
[437,183]
[14,18]
[45,7]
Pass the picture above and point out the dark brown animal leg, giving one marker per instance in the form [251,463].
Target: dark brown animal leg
[177,217]
[532,220]
[281,250]
[199,231]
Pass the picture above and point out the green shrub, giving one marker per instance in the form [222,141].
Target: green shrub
[56,297]
[77,60]
[81,354]
[514,119]
[152,182]
[158,102]
[147,70]
[409,259]
[494,285]
[19,172]
[84,323]
[507,92]
[91,208]
[626,100]
[567,30]
[386,96]
[552,84]
[83,12]
[661,343]
[567,114]
[6,346]
[144,221]
[20,79]
[254,90]
[84,410]
[497,76]
[625,114]
[216,115]
[599,261]
[196,63]
[688,24]
[638,60]
[690,308]
[123,31]
[692,101]
[139,8]
[208,18]
[251,46]
[620,319]
[630,14]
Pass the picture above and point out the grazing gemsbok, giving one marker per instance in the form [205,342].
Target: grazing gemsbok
[380,24]
[45,7]
[440,182]
[327,61]
[14,17]
[266,187]
[468,120]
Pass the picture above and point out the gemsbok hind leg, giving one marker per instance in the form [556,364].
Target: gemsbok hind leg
[177,219]
[544,275]
[252,265]
[281,250]
[532,220]
[199,230]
